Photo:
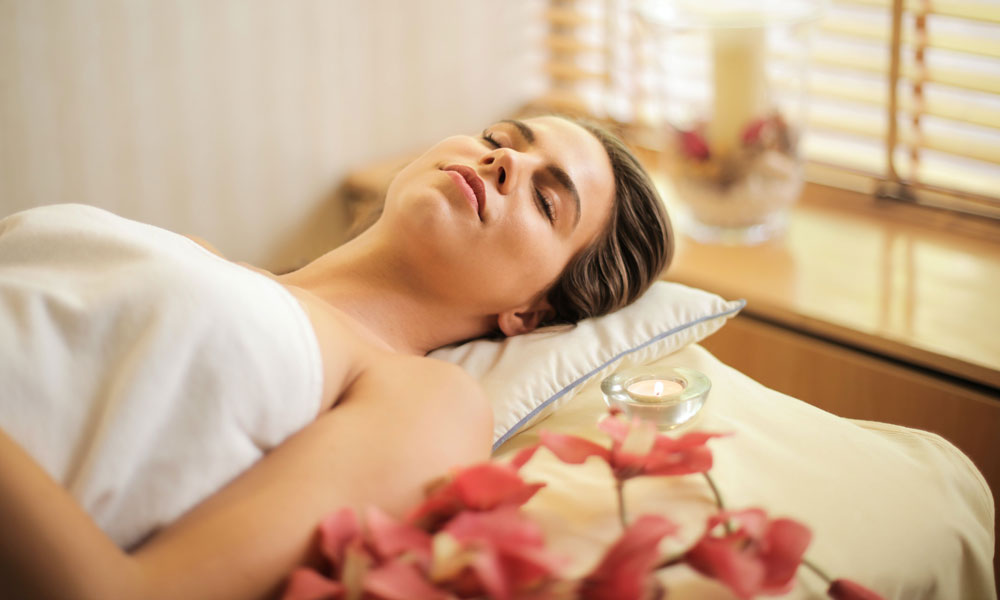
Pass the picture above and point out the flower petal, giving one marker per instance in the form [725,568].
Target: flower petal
[681,456]
[506,528]
[513,548]
[391,538]
[572,449]
[721,560]
[694,145]
[616,427]
[694,439]
[488,485]
[396,580]
[524,456]
[783,546]
[449,557]
[751,522]
[336,531]
[489,571]
[306,584]
[357,563]
[624,571]
[683,462]
[483,486]
[441,503]
[640,437]
[760,556]
[629,456]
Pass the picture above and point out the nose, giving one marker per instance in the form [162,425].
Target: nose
[503,167]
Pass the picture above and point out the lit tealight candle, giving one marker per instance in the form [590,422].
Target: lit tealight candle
[667,396]
[655,387]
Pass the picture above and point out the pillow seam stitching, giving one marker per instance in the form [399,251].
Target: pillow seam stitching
[520,423]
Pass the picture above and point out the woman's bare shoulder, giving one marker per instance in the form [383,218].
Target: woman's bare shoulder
[428,379]
[344,350]
[353,361]
[423,371]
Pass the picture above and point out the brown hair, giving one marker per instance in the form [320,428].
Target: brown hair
[636,246]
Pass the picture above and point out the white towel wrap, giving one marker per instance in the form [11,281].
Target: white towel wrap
[140,370]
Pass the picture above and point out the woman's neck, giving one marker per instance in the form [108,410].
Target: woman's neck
[374,286]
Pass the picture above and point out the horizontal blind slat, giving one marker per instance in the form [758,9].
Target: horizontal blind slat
[979,81]
[955,145]
[968,79]
[853,29]
[988,12]
[874,128]
[959,110]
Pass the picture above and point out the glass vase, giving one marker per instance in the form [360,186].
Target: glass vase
[732,81]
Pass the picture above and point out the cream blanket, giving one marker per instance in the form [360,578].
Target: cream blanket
[140,370]
[899,510]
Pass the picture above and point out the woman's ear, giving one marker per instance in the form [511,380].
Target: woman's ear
[516,322]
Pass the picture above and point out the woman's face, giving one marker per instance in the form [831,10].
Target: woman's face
[491,220]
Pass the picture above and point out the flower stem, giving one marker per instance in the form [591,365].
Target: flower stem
[718,500]
[817,570]
[715,491]
[620,490]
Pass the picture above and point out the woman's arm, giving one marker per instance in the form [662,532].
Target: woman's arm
[399,426]
[50,548]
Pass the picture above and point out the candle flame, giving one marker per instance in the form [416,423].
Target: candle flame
[658,388]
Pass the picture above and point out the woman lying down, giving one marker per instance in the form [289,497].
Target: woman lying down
[175,425]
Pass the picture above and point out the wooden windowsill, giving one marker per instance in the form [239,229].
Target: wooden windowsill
[909,283]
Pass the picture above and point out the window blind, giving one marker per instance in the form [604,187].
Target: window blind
[903,95]
[908,93]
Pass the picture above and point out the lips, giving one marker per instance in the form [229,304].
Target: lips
[471,185]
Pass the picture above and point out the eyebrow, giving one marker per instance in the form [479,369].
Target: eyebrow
[555,171]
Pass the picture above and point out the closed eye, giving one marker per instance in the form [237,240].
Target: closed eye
[543,203]
[546,205]
[490,140]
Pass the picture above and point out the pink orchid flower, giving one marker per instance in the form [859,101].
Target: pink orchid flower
[636,449]
[306,584]
[387,559]
[625,571]
[397,580]
[336,532]
[481,487]
[754,131]
[845,589]
[494,548]
[499,554]
[693,144]
[760,557]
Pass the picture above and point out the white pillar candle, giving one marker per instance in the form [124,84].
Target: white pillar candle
[740,85]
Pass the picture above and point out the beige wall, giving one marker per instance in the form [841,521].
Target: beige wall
[233,119]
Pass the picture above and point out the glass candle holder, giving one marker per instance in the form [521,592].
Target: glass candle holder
[668,397]
[733,81]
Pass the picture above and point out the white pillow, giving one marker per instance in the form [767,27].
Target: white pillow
[528,376]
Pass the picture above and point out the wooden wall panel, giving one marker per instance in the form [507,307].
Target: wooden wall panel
[234,120]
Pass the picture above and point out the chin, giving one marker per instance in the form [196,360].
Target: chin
[425,221]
